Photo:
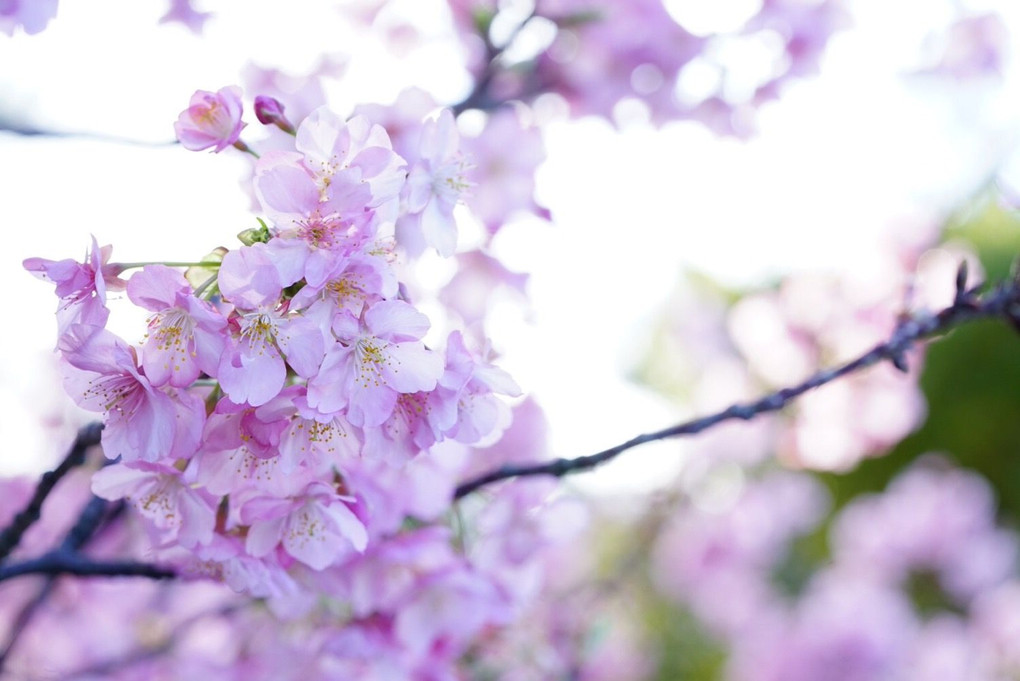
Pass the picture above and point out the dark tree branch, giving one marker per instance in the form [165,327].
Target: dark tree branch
[481,96]
[1003,301]
[64,562]
[88,436]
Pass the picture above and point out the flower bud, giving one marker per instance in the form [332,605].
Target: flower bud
[269,111]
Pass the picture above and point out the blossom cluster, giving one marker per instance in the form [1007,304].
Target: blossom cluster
[282,426]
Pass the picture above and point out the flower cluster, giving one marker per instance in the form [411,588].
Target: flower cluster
[283,417]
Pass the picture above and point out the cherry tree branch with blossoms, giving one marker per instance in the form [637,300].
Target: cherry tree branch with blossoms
[970,304]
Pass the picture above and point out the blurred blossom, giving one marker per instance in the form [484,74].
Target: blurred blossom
[302,94]
[504,184]
[814,321]
[719,564]
[996,624]
[934,285]
[478,280]
[941,521]
[945,650]
[183,12]
[973,47]
[840,631]
[605,57]
[31,16]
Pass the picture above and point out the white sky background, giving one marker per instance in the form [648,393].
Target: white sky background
[837,161]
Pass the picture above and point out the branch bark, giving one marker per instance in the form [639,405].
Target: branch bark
[88,436]
[1002,301]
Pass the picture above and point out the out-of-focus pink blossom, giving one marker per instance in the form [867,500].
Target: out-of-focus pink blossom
[928,520]
[213,119]
[502,183]
[478,279]
[434,186]
[840,630]
[702,555]
[183,12]
[973,47]
[31,16]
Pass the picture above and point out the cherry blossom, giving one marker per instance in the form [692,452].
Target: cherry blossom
[81,286]
[213,119]
[185,334]
[143,422]
[375,362]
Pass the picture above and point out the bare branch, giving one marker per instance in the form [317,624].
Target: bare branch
[88,436]
[64,562]
[1003,301]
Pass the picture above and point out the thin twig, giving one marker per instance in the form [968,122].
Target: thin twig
[87,437]
[1002,301]
[480,96]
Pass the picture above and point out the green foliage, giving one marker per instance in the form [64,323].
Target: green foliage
[687,652]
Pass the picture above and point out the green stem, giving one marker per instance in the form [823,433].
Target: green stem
[245,148]
[201,289]
[129,265]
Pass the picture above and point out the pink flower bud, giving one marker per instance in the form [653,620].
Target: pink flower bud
[269,111]
[212,120]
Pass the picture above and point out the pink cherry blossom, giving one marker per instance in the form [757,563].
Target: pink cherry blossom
[142,422]
[349,284]
[347,152]
[321,443]
[186,335]
[503,184]
[435,184]
[253,368]
[381,359]
[81,286]
[31,16]
[213,119]
[315,526]
[179,512]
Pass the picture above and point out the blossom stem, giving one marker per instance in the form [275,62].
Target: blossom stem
[169,263]
[245,148]
[206,284]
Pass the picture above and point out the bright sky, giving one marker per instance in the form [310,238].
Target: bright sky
[837,161]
